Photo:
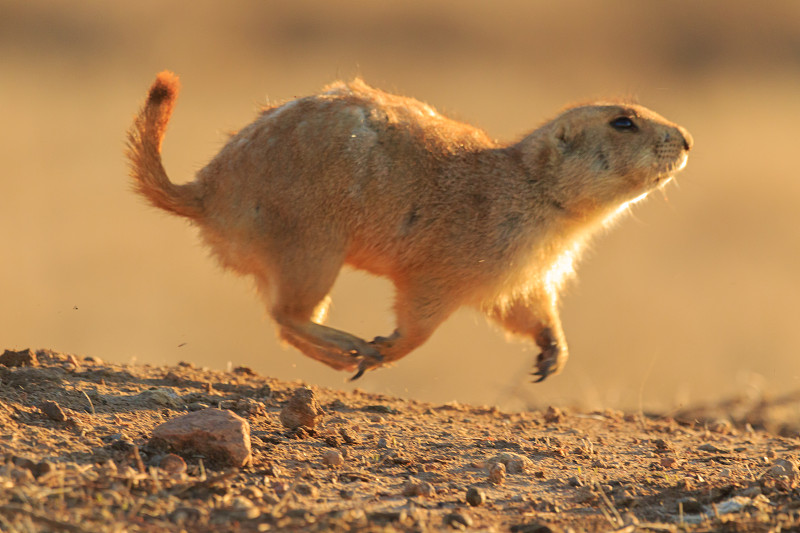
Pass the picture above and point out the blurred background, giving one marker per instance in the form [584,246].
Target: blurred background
[693,298]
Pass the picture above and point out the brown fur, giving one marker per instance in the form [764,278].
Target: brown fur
[383,183]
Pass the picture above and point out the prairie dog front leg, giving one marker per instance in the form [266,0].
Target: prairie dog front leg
[421,307]
[536,319]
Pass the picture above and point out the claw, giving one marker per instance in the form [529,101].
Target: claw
[542,376]
[545,363]
[372,359]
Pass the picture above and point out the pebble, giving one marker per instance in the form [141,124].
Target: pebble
[185,515]
[302,410]
[458,520]
[514,462]
[553,415]
[662,445]
[244,406]
[253,493]
[783,468]
[350,436]
[53,411]
[387,516]
[721,425]
[172,464]
[497,473]
[475,496]
[162,396]
[333,458]
[711,448]
[242,508]
[669,462]
[414,487]
[305,489]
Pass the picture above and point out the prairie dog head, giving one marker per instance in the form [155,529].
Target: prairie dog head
[598,157]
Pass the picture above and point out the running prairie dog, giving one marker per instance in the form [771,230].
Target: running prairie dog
[386,184]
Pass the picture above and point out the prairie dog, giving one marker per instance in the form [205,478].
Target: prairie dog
[384,183]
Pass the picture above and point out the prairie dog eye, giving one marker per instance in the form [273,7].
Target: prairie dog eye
[623,124]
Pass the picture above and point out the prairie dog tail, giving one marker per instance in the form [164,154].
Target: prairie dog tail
[144,152]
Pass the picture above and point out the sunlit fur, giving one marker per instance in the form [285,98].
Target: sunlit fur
[386,184]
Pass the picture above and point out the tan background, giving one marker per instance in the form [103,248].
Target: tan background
[693,298]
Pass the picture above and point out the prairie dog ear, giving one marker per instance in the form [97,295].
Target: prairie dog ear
[564,137]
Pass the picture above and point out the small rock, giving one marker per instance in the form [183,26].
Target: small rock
[304,489]
[53,411]
[349,436]
[172,377]
[162,396]
[280,487]
[302,410]
[197,406]
[119,442]
[711,448]
[553,415]
[458,520]
[333,458]
[221,436]
[41,468]
[414,487]
[185,515]
[244,406]
[721,425]
[243,509]
[514,462]
[270,498]
[669,462]
[333,440]
[662,445]
[475,496]
[244,370]
[783,468]
[21,358]
[253,493]
[387,516]
[172,464]
[497,473]
[384,409]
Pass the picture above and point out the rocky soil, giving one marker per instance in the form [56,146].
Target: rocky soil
[92,446]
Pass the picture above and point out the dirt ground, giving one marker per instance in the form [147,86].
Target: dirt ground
[86,464]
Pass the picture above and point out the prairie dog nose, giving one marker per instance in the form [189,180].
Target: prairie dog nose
[688,142]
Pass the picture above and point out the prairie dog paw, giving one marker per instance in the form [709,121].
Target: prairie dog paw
[550,361]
